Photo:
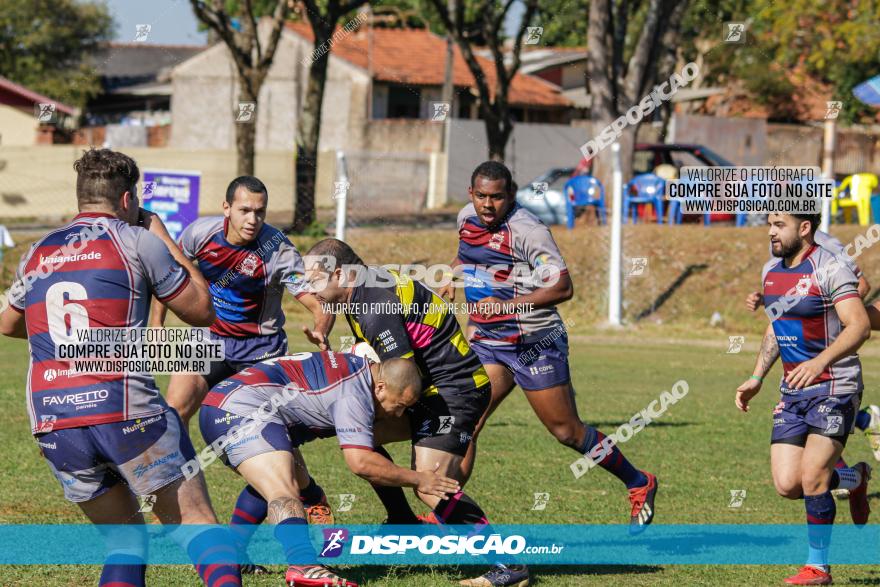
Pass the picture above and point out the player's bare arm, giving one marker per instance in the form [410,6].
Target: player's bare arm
[448,290]
[767,356]
[320,334]
[380,471]
[856,330]
[12,323]
[543,297]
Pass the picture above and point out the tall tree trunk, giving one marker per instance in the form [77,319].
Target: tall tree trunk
[307,137]
[246,126]
[600,84]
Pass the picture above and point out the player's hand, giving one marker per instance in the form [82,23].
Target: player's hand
[430,483]
[317,338]
[805,373]
[154,224]
[489,306]
[754,301]
[448,291]
[745,393]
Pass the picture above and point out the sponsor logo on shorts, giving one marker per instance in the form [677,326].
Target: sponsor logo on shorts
[140,425]
[349,430]
[141,469]
[778,421]
[334,540]
[241,442]
[464,438]
[49,445]
[541,370]
[425,429]
[227,419]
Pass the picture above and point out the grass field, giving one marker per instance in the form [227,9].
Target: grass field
[700,450]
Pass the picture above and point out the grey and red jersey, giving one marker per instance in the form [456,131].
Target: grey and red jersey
[513,259]
[246,281]
[803,298]
[95,272]
[317,395]
[829,243]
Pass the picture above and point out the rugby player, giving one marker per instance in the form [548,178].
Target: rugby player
[817,334]
[401,318]
[868,418]
[109,438]
[519,336]
[317,395]
[248,265]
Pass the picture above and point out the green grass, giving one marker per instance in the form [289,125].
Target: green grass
[700,450]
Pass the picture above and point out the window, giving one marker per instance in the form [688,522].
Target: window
[403,102]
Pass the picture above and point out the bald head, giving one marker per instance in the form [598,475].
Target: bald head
[397,385]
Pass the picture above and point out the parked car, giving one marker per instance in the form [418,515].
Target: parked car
[550,206]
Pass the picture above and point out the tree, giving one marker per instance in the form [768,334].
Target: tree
[45,45]
[618,77]
[483,21]
[323,20]
[563,22]
[239,30]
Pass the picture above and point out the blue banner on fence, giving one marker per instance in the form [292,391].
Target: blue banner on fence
[174,196]
[453,545]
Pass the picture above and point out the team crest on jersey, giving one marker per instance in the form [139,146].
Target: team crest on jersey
[496,241]
[249,265]
[803,285]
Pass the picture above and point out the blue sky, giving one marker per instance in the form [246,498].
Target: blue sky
[173,21]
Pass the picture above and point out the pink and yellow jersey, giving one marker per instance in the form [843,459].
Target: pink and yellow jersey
[808,323]
[105,280]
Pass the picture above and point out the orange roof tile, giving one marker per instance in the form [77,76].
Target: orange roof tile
[418,57]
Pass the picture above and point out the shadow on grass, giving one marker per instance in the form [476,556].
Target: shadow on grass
[365,575]
[654,423]
[670,291]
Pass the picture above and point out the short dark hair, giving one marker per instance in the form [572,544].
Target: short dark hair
[249,182]
[102,176]
[493,170]
[340,252]
[814,219]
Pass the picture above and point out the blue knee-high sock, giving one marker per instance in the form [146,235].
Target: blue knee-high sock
[863,419]
[293,534]
[250,511]
[820,519]
[613,460]
[213,554]
[122,570]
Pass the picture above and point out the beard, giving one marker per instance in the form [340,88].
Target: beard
[787,249]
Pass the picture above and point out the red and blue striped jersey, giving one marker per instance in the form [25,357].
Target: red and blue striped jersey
[95,272]
[246,281]
[505,262]
[317,395]
[807,322]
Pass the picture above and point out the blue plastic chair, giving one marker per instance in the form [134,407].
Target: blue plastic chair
[584,190]
[646,188]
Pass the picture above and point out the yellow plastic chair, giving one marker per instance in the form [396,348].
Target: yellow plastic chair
[860,185]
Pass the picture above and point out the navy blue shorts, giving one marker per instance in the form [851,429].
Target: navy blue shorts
[831,416]
[535,366]
[146,454]
[255,437]
[242,353]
